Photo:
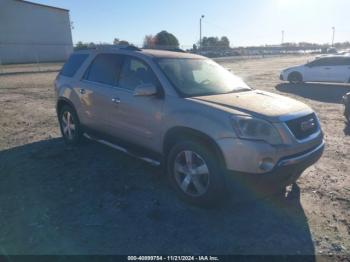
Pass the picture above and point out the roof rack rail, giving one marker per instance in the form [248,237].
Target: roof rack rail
[171,49]
[178,50]
[125,47]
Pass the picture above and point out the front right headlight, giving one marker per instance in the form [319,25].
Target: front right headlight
[252,128]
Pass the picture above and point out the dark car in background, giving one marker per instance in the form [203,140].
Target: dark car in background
[346,102]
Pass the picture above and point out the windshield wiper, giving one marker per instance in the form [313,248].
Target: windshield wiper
[238,90]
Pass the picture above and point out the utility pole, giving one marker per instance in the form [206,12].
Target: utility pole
[200,32]
[282,37]
[333,29]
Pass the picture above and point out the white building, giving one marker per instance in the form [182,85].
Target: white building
[31,32]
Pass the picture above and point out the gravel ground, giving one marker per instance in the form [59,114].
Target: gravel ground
[30,68]
[93,200]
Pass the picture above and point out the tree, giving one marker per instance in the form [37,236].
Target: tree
[214,43]
[194,48]
[162,40]
[81,46]
[166,40]
[224,42]
[148,41]
[116,41]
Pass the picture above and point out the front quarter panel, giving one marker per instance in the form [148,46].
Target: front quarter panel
[180,112]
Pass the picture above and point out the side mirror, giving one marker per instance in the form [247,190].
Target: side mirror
[145,90]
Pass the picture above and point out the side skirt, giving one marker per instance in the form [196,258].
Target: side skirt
[124,150]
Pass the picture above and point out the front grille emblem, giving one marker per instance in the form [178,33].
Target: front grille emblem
[307,125]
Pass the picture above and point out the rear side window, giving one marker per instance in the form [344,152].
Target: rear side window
[328,61]
[344,61]
[104,69]
[73,64]
[336,61]
[331,61]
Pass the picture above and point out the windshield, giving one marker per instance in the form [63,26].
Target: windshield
[200,77]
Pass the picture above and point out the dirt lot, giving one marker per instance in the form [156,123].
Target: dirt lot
[93,200]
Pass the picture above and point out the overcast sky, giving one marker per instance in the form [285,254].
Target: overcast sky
[244,22]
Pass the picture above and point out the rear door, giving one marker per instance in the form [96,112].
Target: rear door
[337,70]
[98,94]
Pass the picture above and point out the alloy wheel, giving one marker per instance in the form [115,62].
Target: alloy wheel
[68,125]
[191,173]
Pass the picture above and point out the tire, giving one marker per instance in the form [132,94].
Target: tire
[295,78]
[70,125]
[196,174]
[347,114]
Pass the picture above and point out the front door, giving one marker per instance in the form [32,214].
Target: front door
[139,117]
[317,71]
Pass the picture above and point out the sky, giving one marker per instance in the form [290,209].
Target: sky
[244,22]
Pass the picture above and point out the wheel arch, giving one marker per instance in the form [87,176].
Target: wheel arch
[179,133]
[295,73]
[63,101]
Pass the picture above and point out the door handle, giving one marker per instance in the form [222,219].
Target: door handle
[116,100]
[82,91]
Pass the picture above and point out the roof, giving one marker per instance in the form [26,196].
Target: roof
[48,6]
[146,52]
[333,56]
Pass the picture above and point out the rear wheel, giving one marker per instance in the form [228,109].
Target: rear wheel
[195,173]
[69,125]
[295,78]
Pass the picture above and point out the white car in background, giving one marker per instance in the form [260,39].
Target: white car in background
[325,69]
[342,53]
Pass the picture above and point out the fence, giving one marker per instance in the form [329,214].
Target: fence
[28,58]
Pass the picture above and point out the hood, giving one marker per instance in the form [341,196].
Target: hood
[261,104]
[292,68]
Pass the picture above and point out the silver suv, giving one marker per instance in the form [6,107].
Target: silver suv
[184,111]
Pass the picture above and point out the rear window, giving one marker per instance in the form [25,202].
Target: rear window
[73,64]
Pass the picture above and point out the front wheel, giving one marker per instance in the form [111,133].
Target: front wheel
[69,125]
[295,78]
[195,173]
[347,114]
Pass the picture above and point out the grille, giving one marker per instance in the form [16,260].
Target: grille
[304,126]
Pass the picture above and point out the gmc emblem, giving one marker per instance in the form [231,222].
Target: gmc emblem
[307,125]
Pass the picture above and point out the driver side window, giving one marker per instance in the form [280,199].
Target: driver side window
[316,63]
[134,73]
[199,76]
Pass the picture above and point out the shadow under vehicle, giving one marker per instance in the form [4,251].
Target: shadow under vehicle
[93,200]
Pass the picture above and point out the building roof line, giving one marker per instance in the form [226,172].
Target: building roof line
[48,6]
